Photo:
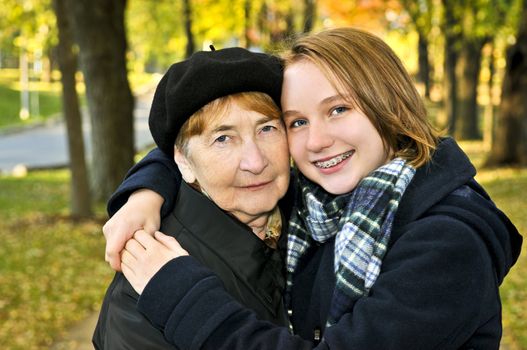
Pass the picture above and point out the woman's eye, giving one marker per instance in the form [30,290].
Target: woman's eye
[222,139]
[339,110]
[268,128]
[298,123]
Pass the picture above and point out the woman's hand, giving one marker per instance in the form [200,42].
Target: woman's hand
[141,212]
[144,255]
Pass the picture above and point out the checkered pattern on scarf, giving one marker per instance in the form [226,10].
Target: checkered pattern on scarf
[362,223]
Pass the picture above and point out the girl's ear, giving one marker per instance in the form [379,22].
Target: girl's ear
[184,166]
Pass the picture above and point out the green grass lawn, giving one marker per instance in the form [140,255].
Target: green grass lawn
[52,270]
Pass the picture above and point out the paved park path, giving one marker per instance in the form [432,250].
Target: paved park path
[45,145]
[78,337]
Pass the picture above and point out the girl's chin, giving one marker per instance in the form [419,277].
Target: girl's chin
[338,188]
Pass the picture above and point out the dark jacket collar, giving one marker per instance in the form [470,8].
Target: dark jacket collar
[449,169]
[200,215]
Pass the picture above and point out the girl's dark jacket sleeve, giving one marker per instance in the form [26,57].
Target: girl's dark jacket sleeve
[450,250]
[156,171]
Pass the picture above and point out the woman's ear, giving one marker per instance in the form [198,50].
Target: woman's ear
[184,166]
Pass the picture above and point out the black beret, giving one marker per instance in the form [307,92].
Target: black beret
[205,76]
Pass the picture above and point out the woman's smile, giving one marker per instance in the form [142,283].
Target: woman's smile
[257,186]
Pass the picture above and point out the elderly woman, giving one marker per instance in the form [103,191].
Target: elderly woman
[231,149]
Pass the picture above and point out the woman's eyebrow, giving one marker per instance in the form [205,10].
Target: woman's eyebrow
[221,127]
[228,127]
[264,120]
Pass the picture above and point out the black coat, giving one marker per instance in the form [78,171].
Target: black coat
[249,270]
[438,288]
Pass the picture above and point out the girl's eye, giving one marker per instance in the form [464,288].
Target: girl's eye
[339,110]
[298,123]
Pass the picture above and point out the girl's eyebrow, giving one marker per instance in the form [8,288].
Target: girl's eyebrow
[289,113]
[332,99]
[324,102]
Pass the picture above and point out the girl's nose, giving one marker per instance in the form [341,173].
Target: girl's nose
[318,138]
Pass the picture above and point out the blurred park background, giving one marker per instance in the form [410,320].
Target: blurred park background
[61,60]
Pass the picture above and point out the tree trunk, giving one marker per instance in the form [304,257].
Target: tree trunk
[424,64]
[510,146]
[262,24]
[80,197]
[187,15]
[449,98]
[450,83]
[467,76]
[99,30]
[247,23]
[489,117]
[309,15]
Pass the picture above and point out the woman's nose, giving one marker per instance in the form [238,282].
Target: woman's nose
[253,159]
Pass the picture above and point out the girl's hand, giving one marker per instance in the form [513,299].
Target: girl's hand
[141,212]
[144,255]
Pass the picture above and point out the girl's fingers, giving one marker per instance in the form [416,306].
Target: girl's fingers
[161,237]
[127,258]
[145,239]
[134,247]
[170,242]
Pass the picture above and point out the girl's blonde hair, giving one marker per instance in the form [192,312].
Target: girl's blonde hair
[363,68]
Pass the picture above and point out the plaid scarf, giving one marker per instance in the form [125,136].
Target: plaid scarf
[361,221]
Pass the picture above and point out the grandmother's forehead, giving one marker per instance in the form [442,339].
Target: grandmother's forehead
[238,117]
